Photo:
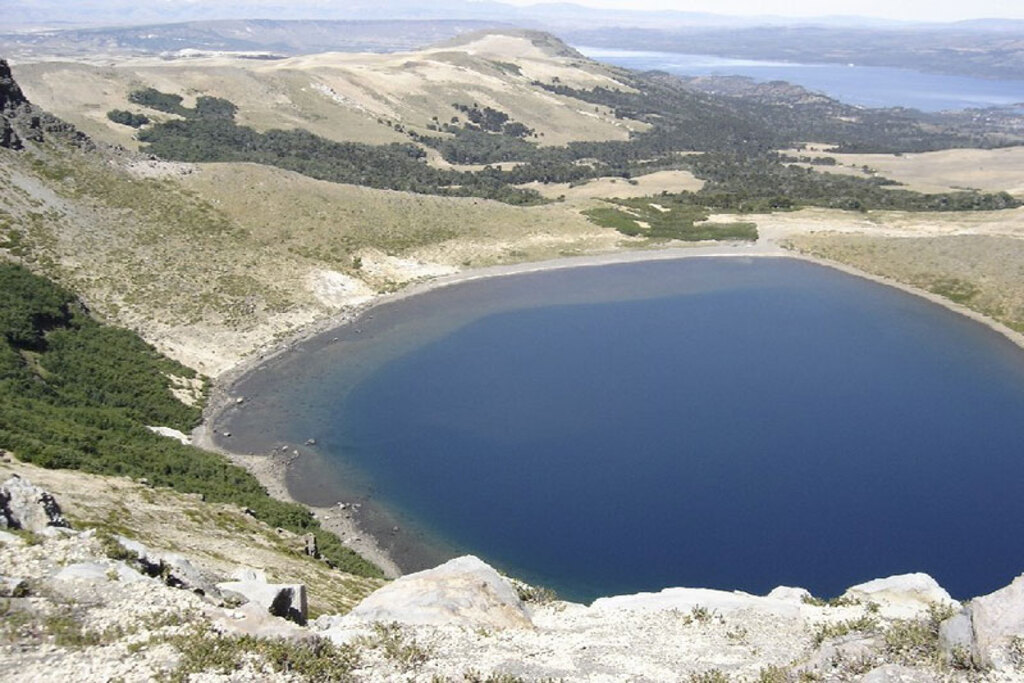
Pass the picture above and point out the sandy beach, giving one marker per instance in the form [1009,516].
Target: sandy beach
[362,527]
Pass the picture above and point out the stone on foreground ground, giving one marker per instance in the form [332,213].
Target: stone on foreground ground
[28,507]
[998,622]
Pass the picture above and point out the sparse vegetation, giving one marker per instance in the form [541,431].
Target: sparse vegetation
[313,660]
[828,630]
[67,630]
[916,641]
[838,601]
[539,595]
[396,646]
[982,272]
[774,674]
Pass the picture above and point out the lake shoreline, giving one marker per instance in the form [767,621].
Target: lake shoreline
[369,529]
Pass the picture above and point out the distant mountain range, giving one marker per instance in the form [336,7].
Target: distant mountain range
[254,35]
[552,16]
[970,49]
[42,29]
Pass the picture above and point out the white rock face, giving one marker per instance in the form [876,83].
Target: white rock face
[790,594]
[172,433]
[997,618]
[685,599]
[279,600]
[902,596]
[24,506]
[98,571]
[334,289]
[249,574]
[463,591]
[956,637]
[894,673]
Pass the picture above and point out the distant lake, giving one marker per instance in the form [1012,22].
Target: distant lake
[718,422]
[867,86]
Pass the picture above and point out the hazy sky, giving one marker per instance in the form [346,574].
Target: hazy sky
[919,10]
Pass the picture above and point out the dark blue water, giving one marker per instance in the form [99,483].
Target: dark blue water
[703,422]
[867,86]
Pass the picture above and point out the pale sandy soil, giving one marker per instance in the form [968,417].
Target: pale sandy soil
[620,188]
[989,170]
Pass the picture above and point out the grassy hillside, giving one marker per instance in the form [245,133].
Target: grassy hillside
[343,97]
[77,394]
[211,262]
[982,272]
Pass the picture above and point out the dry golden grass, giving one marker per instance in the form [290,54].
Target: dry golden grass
[342,96]
[983,272]
[640,186]
[220,261]
[332,223]
[989,170]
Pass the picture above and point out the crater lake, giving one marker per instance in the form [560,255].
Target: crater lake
[732,423]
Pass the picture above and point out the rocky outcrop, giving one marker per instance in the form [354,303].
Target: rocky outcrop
[13,587]
[904,595]
[250,586]
[464,592]
[174,569]
[20,120]
[28,507]
[11,97]
[12,100]
[101,610]
[997,620]
[956,639]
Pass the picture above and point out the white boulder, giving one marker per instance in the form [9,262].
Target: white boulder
[464,591]
[24,506]
[280,600]
[956,638]
[998,618]
[172,433]
[99,572]
[686,599]
[904,596]
[790,594]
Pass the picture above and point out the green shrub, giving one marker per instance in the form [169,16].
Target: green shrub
[127,118]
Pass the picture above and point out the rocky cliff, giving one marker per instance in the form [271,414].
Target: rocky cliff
[89,605]
[20,120]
